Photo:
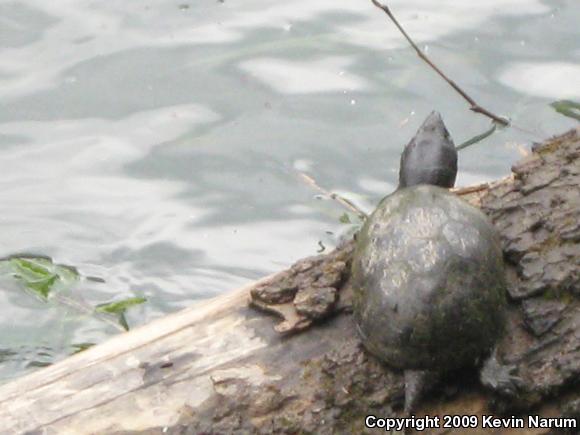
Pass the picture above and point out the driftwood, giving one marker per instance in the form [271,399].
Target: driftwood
[220,367]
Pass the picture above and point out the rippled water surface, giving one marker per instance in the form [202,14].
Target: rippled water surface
[156,144]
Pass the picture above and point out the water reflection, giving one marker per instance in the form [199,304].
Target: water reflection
[157,147]
[296,77]
[556,80]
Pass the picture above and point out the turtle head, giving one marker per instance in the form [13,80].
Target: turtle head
[435,127]
[430,157]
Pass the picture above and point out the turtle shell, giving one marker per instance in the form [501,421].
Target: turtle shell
[428,280]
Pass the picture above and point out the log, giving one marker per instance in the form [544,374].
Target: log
[221,367]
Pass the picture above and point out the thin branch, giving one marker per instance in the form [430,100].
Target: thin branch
[334,196]
[466,190]
[470,189]
[474,106]
[85,309]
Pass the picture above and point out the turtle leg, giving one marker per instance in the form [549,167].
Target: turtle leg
[417,384]
[501,378]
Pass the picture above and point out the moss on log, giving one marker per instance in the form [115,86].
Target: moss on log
[221,367]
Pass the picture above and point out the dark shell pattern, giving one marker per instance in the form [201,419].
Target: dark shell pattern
[428,281]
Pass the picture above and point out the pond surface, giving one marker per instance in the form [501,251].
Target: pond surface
[158,145]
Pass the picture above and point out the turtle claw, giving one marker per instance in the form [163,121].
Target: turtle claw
[501,378]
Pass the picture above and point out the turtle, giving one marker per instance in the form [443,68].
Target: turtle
[429,288]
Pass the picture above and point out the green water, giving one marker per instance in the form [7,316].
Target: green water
[156,145]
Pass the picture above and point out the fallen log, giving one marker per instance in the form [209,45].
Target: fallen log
[220,367]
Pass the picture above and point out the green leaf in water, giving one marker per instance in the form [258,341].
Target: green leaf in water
[44,286]
[123,321]
[568,108]
[39,274]
[79,347]
[48,280]
[34,268]
[116,307]
[119,308]
[344,218]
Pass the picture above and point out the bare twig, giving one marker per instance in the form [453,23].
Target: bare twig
[466,190]
[334,196]
[85,309]
[470,189]
[474,106]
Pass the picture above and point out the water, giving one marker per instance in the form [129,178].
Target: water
[156,144]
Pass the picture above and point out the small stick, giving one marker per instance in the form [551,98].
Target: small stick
[470,189]
[474,106]
[482,186]
[83,308]
[334,196]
